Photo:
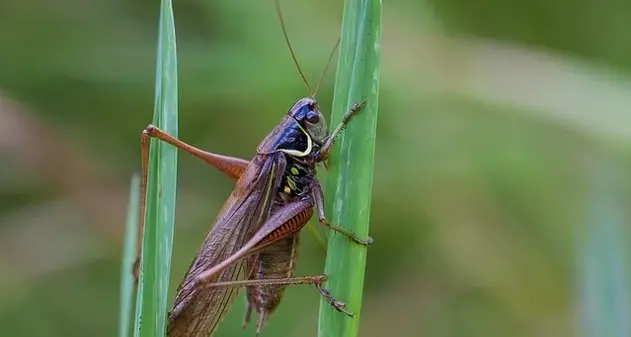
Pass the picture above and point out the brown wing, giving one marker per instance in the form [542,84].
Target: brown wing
[197,310]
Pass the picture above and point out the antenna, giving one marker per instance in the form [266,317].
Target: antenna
[326,67]
[291,50]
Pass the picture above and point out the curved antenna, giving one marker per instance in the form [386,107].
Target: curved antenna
[326,67]
[291,50]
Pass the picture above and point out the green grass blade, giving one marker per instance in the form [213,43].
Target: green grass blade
[129,255]
[350,175]
[157,239]
[603,272]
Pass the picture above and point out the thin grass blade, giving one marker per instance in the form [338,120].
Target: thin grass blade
[129,255]
[602,258]
[349,180]
[157,242]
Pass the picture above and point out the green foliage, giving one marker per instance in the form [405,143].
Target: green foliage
[349,182]
[129,256]
[157,237]
[602,256]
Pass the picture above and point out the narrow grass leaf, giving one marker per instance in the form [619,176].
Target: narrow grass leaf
[603,260]
[157,239]
[129,255]
[349,180]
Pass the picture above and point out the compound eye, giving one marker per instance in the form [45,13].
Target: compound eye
[313,117]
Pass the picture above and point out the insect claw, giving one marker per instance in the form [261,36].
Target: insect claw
[366,242]
[362,242]
[337,305]
[340,306]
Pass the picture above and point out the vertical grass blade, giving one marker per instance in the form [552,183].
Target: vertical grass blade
[350,175]
[603,256]
[157,239]
[129,255]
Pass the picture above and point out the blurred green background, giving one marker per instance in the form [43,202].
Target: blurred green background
[501,191]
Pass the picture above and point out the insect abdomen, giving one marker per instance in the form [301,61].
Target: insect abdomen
[276,261]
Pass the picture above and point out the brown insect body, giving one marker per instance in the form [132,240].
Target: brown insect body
[273,198]
[255,235]
[275,262]
[196,310]
[278,261]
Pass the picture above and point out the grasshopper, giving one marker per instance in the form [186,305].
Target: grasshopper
[254,238]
